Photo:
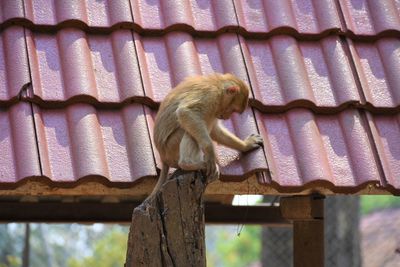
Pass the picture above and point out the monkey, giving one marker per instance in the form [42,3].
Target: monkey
[187,122]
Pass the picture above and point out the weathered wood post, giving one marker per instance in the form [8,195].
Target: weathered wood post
[168,230]
[307,215]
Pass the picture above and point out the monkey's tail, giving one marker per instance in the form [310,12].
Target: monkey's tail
[161,180]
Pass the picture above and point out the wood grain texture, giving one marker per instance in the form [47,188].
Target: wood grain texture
[168,229]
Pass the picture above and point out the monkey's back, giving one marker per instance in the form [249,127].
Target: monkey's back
[201,93]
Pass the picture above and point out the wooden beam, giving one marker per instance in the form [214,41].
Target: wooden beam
[306,212]
[260,214]
[302,208]
[141,189]
[91,212]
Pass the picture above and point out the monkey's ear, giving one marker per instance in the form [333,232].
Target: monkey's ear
[232,89]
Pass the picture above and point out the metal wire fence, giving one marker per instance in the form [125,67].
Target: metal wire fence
[342,239]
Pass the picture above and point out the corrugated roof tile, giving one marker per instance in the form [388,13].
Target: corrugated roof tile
[285,72]
[166,61]
[201,15]
[378,67]
[310,149]
[74,66]
[11,10]
[288,16]
[371,17]
[236,166]
[19,154]
[93,13]
[80,141]
[386,134]
[14,69]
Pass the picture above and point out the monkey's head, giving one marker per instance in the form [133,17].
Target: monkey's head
[234,97]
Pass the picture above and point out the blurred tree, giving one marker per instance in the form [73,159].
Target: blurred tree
[239,251]
[370,204]
[27,246]
[108,251]
[11,244]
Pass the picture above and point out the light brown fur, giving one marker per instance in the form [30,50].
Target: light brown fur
[187,122]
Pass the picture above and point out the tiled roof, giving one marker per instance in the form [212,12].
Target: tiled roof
[18,144]
[287,73]
[74,66]
[80,83]
[84,14]
[14,69]
[378,68]
[305,17]
[195,16]
[81,141]
[303,147]
[370,17]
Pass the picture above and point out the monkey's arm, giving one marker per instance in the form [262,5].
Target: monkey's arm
[222,136]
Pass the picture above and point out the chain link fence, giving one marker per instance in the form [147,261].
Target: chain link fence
[342,245]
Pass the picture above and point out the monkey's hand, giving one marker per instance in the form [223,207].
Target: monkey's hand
[253,141]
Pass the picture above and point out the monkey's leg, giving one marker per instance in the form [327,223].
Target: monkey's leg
[190,155]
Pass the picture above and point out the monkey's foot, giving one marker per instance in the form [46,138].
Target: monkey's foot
[215,176]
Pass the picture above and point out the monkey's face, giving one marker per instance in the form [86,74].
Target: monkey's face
[234,97]
[226,114]
[233,103]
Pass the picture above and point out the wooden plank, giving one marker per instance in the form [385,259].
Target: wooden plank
[307,214]
[91,212]
[308,243]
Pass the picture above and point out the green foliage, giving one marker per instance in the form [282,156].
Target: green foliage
[11,261]
[11,245]
[239,251]
[109,251]
[372,203]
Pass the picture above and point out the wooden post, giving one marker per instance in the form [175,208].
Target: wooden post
[307,213]
[168,230]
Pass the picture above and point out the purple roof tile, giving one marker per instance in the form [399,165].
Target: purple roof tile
[300,16]
[306,149]
[285,73]
[236,166]
[378,67]
[386,134]
[72,65]
[19,154]
[11,10]
[371,17]
[200,15]
[92,13]
[14,69]
[81,141]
